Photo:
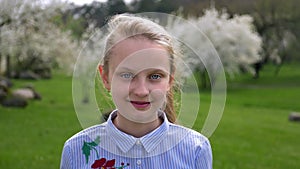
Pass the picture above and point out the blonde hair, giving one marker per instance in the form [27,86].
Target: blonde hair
[125,26]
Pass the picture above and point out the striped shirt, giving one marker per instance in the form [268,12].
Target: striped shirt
[169,146]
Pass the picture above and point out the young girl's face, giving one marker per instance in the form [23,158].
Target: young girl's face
[139,78]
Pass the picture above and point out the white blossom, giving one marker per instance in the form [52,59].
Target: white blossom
[30,33]
[235,40]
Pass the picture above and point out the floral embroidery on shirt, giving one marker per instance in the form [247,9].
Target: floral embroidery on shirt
[100,163]
[107,164]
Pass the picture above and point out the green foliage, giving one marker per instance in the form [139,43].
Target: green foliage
[68,23]
[116,7]
[144,5]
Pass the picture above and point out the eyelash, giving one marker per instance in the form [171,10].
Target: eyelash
[151,76]
[127,74]
[131,76]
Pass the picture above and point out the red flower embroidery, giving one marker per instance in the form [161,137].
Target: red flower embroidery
[102,163]
[107,164]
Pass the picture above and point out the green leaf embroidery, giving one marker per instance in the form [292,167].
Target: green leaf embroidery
[88,146]
[86,151]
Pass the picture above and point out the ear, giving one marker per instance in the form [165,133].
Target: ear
[104,77]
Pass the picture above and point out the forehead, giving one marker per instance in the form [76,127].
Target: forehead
[139,54]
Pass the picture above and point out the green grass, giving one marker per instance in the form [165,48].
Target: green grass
[254,132]
[33,137]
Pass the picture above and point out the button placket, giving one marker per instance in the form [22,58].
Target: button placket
[139,147]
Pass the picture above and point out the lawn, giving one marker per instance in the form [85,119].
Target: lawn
[254,132]
[33,137]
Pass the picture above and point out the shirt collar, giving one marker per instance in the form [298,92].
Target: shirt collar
[125,141]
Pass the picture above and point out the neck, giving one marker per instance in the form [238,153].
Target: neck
[133,128]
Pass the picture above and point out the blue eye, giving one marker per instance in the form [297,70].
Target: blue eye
[127,75]
[155,76]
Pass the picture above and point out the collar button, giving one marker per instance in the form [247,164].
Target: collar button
[138,142]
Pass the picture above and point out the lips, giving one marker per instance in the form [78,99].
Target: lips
[140,104]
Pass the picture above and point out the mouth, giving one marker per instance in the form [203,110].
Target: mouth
[140,105]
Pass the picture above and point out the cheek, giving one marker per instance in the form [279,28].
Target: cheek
[159,97]
[164,85]
[160,91]
[119,88]
[158,94]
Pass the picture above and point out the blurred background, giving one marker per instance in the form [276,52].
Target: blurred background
[257,42]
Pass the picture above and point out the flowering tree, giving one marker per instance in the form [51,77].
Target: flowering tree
[91,50]
[235,40]
[29,40]
[278,24]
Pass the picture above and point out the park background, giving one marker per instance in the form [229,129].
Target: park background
[40,41]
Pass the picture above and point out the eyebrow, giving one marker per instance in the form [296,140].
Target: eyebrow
[134,71]
[121,69]
[125,68]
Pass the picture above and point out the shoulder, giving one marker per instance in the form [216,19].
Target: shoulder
[71,154]
[189,133]
[190,137]
[87,134]
[191,146]
[198,145]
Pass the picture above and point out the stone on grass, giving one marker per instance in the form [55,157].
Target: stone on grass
[3,90]
[3,94]
[294,116]
[27,93]
[37,96]
[14,102]
[29,75]
[23,93]
[6,82]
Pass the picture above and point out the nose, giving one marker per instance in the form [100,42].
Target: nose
[139,87]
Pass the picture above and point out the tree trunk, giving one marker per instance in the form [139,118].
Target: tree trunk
[8,73]
[203,80]
[0,63]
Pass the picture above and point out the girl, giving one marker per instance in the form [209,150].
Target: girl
[138,69]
